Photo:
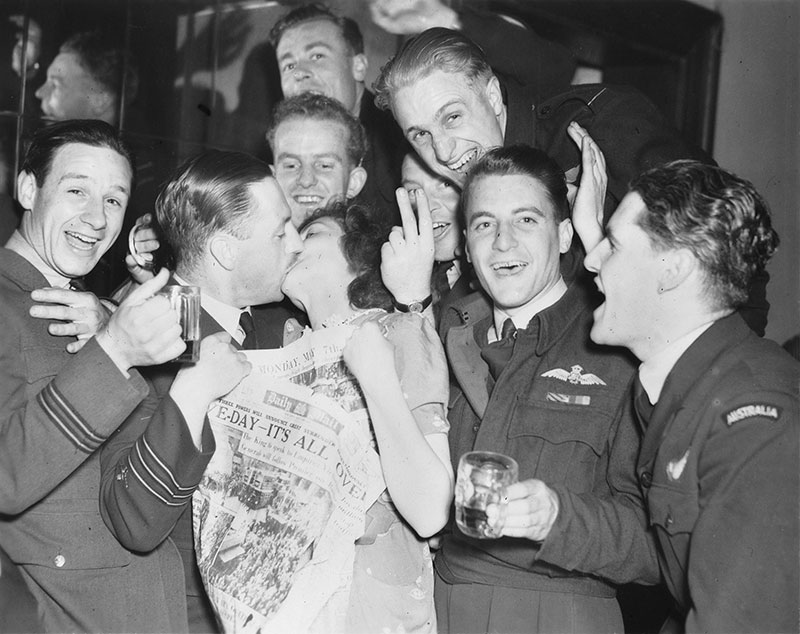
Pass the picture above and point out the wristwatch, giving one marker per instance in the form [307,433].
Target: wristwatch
[414,307]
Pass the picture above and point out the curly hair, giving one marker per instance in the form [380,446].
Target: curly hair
[321,108]
[362,239]
[315,11]
[720,218]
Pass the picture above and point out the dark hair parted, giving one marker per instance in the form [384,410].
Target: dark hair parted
[209,193]
[362,239]
[321,108]
[312,12]
[435,49]
[48,140]
[521,160]
[105,61]
[717,216]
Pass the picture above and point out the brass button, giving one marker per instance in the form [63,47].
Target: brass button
[59,561]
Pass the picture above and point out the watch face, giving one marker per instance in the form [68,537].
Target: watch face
[415,307]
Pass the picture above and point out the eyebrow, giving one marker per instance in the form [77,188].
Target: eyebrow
[289,155]
[85,177]
[308,47]
[438,113]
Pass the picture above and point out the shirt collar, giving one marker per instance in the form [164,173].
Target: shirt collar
[653,373]
[524,315]
[224,314]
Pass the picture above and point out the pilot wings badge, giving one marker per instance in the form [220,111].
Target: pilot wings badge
[575,376]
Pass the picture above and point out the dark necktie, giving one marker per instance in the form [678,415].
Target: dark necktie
[78,284]
[250,341]
[641,403]
[498,353]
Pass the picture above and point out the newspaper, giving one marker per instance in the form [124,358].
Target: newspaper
[284,498]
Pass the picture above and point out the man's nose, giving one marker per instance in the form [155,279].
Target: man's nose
[94,214]
[294,243]
[300,72]
[504,239]
[42,92]
[443,147]
[307,177]
[594,258]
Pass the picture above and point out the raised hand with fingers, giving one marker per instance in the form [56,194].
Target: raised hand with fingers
[144,330]
[407,256]
[74,314]
[587,208]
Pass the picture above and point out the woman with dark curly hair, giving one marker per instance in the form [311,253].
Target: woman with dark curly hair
[399,363]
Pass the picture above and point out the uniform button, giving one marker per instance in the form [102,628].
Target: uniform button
[475,428]
[59,561]
[646,479]
[669,521]
[545,110]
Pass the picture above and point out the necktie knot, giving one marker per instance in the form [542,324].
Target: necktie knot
[509,330]
[249,329]
[641,402]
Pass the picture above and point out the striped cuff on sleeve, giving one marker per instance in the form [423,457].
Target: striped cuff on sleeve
[156,476]
[68,420]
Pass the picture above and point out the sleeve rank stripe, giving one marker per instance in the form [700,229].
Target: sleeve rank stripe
[149,488]
[68,420]
[166,469]
[153,479]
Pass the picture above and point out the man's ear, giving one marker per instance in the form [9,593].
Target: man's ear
[26,190]
[359,67]
[356,181]
[224,250]
[678,265]
[466,247]
[565,232]
[102,103]
[494,94]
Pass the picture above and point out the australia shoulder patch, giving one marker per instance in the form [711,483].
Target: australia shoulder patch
[752,410]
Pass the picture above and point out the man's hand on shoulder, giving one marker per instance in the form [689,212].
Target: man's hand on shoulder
[74,314]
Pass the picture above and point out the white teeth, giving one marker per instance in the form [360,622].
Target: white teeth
[308,200]
[464,160]
[82,238]
[439,225]
[507,265]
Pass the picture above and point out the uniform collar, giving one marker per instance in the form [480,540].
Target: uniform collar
[653,372]
[523,317]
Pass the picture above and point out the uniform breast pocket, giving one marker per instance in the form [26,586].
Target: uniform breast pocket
[562,443]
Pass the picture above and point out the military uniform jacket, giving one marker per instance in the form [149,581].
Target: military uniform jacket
[719,465]
[151,466]
[559,409]
[56,409]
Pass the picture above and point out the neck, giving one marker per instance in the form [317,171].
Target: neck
[671,325]
[20,244]
[321,308]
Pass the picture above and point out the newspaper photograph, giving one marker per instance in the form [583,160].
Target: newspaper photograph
[284,498]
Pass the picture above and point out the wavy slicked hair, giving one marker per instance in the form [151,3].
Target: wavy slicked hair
[521,160]
[717,216]
[48,140]
[362,238]
[435,49]
[209,193]
[321,108]
[315,11]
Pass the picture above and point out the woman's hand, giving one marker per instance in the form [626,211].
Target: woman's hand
[368,354]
